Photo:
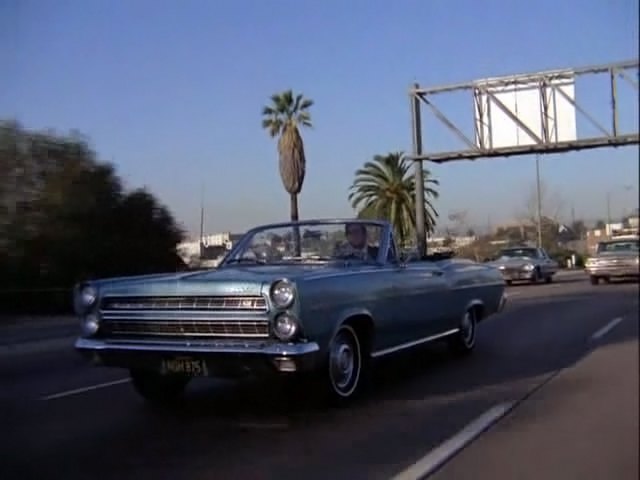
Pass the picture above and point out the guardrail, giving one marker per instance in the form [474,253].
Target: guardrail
[52,300]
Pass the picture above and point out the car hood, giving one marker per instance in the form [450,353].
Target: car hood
[235,280]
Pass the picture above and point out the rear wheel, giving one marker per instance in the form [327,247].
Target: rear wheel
[157,388]
[594,280]
[464,341]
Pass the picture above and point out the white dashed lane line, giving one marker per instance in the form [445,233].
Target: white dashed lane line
[77,391]
[606,329]
[439,455]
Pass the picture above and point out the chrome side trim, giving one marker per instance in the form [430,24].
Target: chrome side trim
[414,343]
[272,349]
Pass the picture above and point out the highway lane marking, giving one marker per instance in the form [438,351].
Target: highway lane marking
[76,391]
[607,328]
[445,451]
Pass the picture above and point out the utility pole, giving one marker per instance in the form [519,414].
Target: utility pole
[539,199]
[201,221]
[608,229]
[421,231]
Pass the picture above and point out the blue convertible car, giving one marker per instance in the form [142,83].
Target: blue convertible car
[321,297]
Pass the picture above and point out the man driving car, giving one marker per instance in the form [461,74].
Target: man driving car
[356,234]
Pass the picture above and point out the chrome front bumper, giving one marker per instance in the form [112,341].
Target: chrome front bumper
[619,271]
[517,276]
[224,358]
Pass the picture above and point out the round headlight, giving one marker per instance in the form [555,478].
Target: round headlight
[285,326]
[90,325]
[85,298]
[282,293]
[528,267]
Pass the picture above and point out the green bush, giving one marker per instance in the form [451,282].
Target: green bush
[66,217]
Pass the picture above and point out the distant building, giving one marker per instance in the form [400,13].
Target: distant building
[611,230]
[452,242]
[209,251]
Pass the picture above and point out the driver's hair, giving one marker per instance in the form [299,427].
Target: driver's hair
[360,226]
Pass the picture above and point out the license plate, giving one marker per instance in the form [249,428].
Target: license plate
[192,367]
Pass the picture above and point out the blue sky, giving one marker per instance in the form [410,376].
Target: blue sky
[171,92]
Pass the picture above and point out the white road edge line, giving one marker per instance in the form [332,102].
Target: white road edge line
[442,453]
[86,389]
[607,328]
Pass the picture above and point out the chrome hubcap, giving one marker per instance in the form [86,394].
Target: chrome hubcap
[342,364]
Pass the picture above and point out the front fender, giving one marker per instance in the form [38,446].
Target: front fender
[350,313]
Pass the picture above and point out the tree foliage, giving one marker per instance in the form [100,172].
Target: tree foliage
[283,119]
[551,204]
[64,216]
[384,188]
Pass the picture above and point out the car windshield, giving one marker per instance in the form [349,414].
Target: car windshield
[309,243]
[619,246]
[518,252]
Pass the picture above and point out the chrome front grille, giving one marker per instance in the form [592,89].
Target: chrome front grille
[617,263]
[188,328]
[513,271]
[181,317]
[203,303]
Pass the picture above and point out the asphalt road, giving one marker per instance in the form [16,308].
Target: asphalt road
[546,359]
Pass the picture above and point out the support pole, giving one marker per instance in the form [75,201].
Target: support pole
[416,124]
[201,222]
[608,229]
[539,201]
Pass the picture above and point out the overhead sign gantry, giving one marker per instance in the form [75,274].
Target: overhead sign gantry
[534,113]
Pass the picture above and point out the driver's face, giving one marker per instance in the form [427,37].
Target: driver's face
[357,236]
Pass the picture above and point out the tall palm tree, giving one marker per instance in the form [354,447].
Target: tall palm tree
[283,118]
[385,188]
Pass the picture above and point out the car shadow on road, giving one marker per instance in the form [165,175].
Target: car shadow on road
[430,371]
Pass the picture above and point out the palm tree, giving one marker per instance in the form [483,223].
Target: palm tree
[385,188]
[282,119]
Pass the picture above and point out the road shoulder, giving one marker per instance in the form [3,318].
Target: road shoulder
[582,424]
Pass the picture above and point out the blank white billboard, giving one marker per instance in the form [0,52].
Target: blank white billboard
[523,97]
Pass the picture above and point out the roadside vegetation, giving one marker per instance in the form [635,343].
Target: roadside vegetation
[65,216]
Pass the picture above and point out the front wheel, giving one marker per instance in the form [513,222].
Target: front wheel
[347,365]
[536,276]
[158,389]
[594,280]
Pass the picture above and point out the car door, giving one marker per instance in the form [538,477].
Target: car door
[547,264]
[421,291]
[431,312]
